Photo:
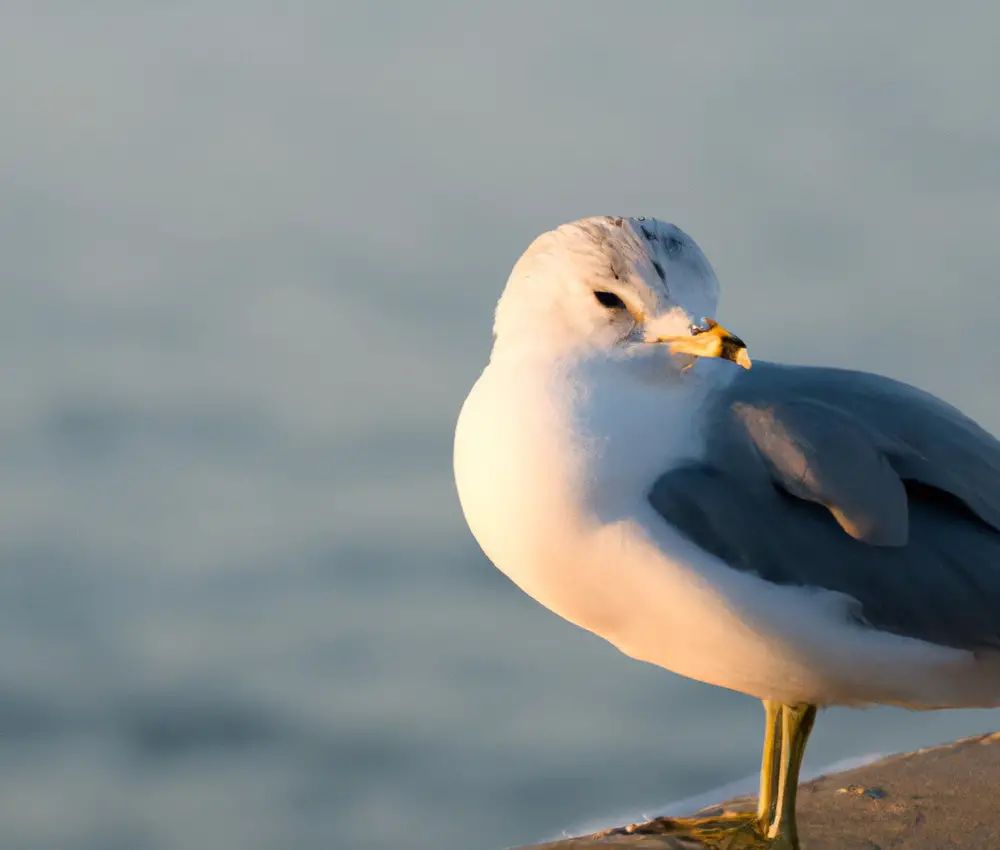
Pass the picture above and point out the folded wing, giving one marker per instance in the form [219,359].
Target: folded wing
[854,483]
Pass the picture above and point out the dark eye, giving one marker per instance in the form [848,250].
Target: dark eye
[609,300]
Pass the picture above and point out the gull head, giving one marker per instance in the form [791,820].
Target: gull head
[616,285]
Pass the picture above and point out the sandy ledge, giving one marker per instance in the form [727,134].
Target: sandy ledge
[941,797]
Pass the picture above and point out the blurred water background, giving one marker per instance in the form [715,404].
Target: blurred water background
[248,257]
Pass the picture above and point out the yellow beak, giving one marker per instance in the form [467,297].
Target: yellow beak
[716,341]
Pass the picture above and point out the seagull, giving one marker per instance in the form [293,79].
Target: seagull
[808,536]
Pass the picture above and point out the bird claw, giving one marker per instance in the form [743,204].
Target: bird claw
[725,831]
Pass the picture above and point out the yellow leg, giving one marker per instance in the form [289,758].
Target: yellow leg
[733,830]
[796,724]
[772,827]
[769,763]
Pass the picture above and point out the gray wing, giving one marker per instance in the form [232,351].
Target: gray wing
[855,483]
